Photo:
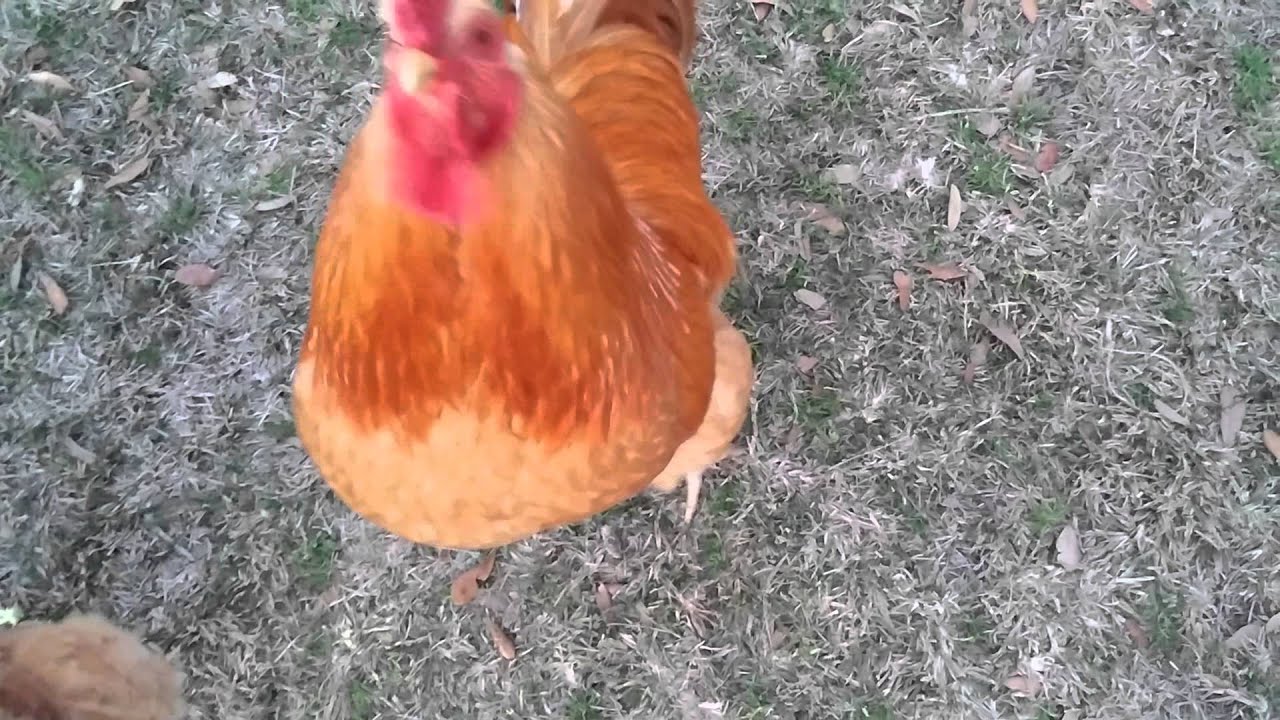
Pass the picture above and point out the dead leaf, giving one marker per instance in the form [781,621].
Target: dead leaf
[605,592]
[1013,150]
[829,32]
[221,79]
[969,17]
[15,273]
[1068,545]
[1168,413]
[501,640]
[822,216]
[1030,10]
[1017,212]
[977,358]
[273,203]
[844,174]
[52,80]
[811,298]
[1023,684]
[903,283]
[1271,439]
[43,125]
[117,4]
[130,172]
[54,293]
[1233,410]
[806,364]
[79,452]
[762,8]
[196,275]
[1005,334]
[954,208]
[141,106]
[466,586]
[945,271]
[1273,625]
[988,124]
[1245,636]
[1143,6]
[138,76]
[1023,82]
[1047,157]
[1137,633]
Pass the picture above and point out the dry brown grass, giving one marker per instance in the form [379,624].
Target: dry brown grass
[884,548]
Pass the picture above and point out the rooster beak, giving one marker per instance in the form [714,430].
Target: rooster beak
[415,70]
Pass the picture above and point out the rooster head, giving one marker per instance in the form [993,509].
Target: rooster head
[453,80]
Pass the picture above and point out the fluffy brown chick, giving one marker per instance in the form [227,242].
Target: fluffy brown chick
[84,668]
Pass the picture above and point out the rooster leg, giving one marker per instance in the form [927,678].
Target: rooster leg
[692,488]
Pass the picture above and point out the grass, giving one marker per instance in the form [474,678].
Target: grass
[884,546]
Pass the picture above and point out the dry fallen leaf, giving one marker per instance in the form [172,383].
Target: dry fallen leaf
[954,208]
[605,592]
[140,107]
[1271,439]
[220,80]
[1047,157]
[466,586]
[822,216]
[128,173]
[829,32]
[988,124]
[1233,410]
[844,173]
[1023,684]
[1068,546]
[1017,212]
[138,76]
[811,298]
[54,293]
[977,358]
[1273,625]
[501,640]
[945,271]
[273,203]
[1022,83]
[79,452]
[1168,413]
[196,275]
[1143,6]
[1245,636]
[52,80]
[1137,633]
[902,282]
[43,125]
[1013,150]
[1005,334]
[806,364]
[969,17]
[1030,10]
[762,8]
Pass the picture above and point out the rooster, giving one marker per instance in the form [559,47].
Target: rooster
[514,320]
[84,668]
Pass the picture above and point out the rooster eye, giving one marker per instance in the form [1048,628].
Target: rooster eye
[482,38]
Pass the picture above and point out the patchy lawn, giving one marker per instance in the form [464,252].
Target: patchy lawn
[889,545]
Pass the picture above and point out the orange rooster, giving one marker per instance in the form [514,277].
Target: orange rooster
[84,668]
[514,320]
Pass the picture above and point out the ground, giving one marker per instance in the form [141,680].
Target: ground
[887,543]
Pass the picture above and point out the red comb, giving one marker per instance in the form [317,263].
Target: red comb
[415,23]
